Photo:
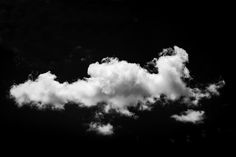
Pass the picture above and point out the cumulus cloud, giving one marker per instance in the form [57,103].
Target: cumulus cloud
[104,129]
[190,116]
[118,85]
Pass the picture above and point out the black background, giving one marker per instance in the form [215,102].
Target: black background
[42,35]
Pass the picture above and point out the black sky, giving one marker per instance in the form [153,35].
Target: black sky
[42,35]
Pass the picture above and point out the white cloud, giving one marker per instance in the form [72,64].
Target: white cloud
[190,116]
[101,128]
[117,84]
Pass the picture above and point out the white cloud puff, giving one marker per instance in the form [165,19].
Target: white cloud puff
[103,129]
[190,116]
[117,84]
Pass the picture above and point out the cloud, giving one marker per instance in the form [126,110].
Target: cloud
[190,116]
[119,85]
[106,129]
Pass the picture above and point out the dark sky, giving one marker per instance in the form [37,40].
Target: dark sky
[42,35]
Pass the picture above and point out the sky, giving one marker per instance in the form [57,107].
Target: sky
[116,73]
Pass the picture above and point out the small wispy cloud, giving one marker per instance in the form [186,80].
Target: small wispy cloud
[190,116]
[104,129]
